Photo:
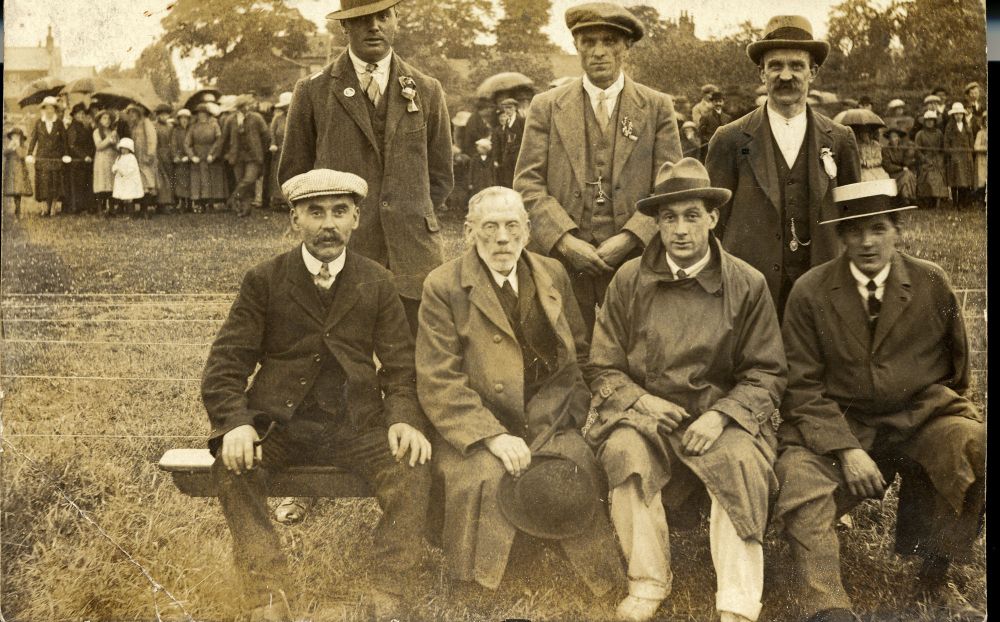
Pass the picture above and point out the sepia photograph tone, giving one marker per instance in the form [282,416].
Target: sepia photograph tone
[493,310]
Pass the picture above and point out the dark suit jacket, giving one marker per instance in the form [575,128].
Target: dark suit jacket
[408,176]
[506,146]
[251,144]
[741,157]
[278,322]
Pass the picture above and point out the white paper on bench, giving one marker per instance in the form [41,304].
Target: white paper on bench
[187,459]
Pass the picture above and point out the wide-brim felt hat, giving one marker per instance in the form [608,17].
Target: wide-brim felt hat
[356,8]
[784,32]
[15,130]
[895,130]
[604,14]
[866,198]
[687,179]
[553,499]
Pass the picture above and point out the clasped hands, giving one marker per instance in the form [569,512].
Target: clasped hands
[592,260]
[698,437]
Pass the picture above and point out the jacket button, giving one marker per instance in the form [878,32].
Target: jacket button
[328,333]
[319,358]
[385,204]
[576,193]
[777,236]
[302,381]
[497,338]
[498,387]
[289,403]
[776,268]
[606,391]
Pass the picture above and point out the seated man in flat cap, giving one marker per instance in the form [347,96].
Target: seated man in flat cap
[590,151]
[878,370]
[687,368]
[499,353]
[312,319]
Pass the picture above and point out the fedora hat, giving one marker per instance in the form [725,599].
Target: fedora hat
[784,32]
[866,198]
[553,499]
[687,179]
[356,8]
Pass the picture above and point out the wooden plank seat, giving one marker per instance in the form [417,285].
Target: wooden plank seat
[191,470]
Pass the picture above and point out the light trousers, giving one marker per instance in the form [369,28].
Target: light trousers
[644,536]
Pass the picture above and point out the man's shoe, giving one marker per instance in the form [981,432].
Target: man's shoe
[834,615]
[636,609]
[386,606]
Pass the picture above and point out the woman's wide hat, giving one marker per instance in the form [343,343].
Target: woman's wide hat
[788,32]
[866,198]
[350,9]
[553,499]
[687,179]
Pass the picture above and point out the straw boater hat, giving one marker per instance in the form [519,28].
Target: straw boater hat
[958,108]
[126,143]
[896,103]
[866,198]
[322,182]
[356,8]
[554,499]
[604,14]
[284,100]
[688,179]
[788,32]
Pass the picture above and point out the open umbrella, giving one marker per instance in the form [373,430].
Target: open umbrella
[505,81]
[86,85]
[199,96]
[119,98]
[39,89]
[858,117]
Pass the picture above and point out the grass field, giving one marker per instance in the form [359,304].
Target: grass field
[106,325]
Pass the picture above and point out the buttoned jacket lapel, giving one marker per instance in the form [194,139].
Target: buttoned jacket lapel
[550,300]
[570,125]
[895,299]
[396,104]
[758,148]
[819,182]
[848,304]
[344,78]
[302,288]
[476,279]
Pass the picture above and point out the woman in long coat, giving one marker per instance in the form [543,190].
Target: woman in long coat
[105,144]
[203,145]
[959,140]
[277,139]
[16,181]
[182,163]
[899,162]
[980,147]
[144,136]
[931,186]
[50,147]
[80,172]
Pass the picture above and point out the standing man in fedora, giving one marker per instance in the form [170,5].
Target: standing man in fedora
[591,149]
[781,162]
[499,354]
[878,375]
[686,368]
[372,114]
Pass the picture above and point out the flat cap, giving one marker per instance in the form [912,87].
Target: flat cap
[510,101]
[604,14]
[970,86]
[708,89]
[321,182]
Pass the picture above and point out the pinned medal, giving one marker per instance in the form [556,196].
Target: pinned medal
[349,92]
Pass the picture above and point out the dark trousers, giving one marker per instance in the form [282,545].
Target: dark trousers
[246,174]
[411,306]
[401,490]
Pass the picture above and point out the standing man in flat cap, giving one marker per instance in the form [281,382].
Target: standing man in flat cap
[705,104]
[782,162]
[507,139]
[591,150]
[247,138]
[313,319]
[372,114]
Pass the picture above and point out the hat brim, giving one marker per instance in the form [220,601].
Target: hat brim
[713,197]
[866,215]
[632,34]
[521,517]
[360,11]
[325,193]
[818,49]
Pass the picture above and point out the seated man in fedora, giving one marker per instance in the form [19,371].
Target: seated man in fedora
[686,368]
[878,369]
[499,351]
[313,319]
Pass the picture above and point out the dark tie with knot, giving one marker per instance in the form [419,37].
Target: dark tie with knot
[874,304]
[681,275]
[508,300]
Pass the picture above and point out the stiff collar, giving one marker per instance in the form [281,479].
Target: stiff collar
[863,279]
[654,266]
[360,66]
[499,278]
[612,91]
[694,269]
[314,265]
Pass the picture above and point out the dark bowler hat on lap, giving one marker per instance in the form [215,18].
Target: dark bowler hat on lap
[356,8]
[604,14]
[553,499]
[687,179]
[788,32]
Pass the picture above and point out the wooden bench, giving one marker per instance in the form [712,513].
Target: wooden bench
[191,470]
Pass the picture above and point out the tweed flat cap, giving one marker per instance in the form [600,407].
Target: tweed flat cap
[510,101]
[604,14]
[321,182]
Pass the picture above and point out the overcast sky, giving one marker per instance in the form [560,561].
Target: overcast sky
[108,32]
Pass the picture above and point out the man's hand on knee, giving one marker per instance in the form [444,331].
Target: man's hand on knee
[668,414]
[511,450]
[861,473]
[239,453]
[703,432]
[404,437]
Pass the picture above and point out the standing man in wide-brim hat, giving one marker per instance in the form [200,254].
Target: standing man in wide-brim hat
[686,368]
[591,149]
[878,375]
[782,162]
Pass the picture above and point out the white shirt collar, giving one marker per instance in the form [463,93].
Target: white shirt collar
[862,280]
[612,91]
[381,68]
[314,265]
[500,278]
[695,268]
[788,133]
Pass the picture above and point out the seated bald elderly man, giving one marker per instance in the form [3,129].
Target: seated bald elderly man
[313,318]
[687,367]
[499,352]
[878,371]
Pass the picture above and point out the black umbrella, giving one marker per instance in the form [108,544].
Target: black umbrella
[119,98]
[39,89]
[505,81]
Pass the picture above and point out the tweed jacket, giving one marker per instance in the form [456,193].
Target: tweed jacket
[246,144]
[278,322]
[408,175]
[741,157]
[551,171]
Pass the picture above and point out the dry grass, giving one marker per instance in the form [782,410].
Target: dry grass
[96,442]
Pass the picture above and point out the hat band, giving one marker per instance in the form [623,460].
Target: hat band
[789,33]
[680,184]
[866,205]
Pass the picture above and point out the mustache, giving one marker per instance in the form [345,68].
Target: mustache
[332,236]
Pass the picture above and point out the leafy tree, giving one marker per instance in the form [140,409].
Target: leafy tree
[240,40]
[448,28]
[521,45]
[944,41]
[155,63]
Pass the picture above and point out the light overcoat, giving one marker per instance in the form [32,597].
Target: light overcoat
[409,174]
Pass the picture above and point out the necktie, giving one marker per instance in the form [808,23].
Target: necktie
[508,299]
[602,111]
[324,279]
[371,84]
[874,304]
[681,275]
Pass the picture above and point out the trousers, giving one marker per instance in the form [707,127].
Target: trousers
[246,174]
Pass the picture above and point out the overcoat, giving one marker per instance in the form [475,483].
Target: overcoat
[48,148]
[144,135]
[741,157]
[164,164]
[958,152]
[278,322]
[471,380]
[79,173]
[506,147]
[551,172]
[894,159]
[208,181]
[182,163]
[127,184]
[409,174]
[105,152]
[931,180]
[16,181]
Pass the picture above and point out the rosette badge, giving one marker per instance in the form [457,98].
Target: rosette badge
[409,93]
